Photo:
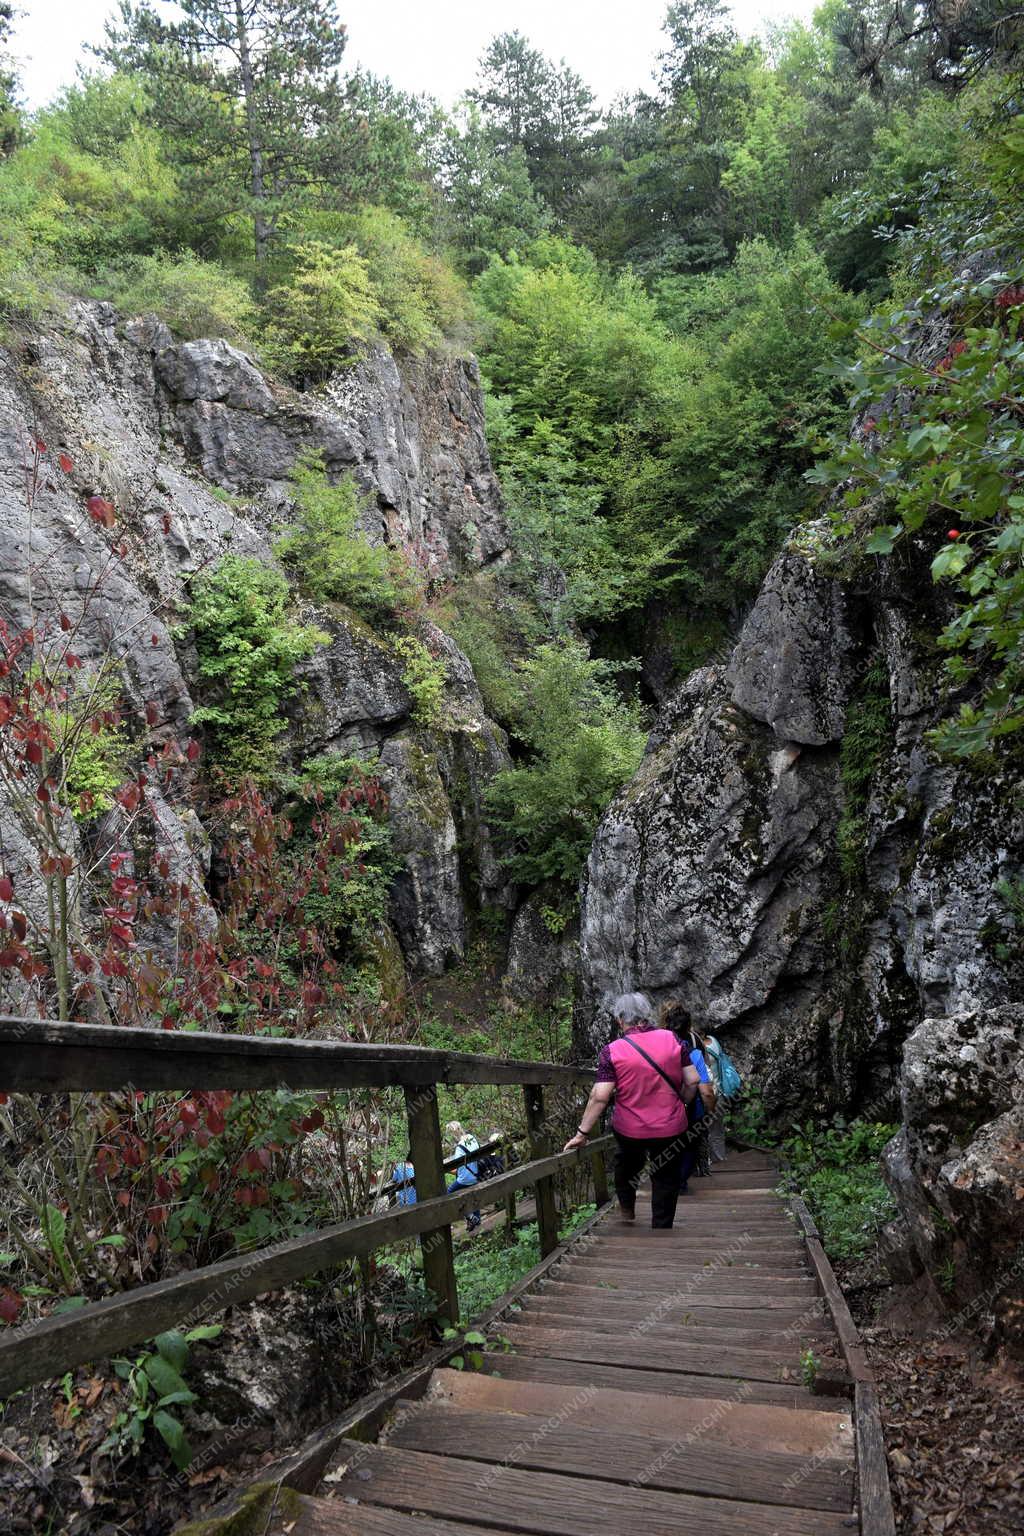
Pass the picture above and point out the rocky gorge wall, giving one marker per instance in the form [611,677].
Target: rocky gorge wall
[794,862]
[194,446]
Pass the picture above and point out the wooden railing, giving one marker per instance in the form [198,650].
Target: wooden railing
[45,1057]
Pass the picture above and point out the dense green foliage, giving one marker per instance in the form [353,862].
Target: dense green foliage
[247,647]
[837,1171]
[584,742]
[324,549]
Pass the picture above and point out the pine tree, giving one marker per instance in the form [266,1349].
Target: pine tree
[245,92]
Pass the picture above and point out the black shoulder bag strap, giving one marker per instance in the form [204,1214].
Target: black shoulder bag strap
[678,1091]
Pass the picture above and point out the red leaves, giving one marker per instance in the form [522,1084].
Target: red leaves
[314,1121]
[152,714]
[101,511]
[66,464]
[6,888]
[11,1304]
[165,522]
[156,1215]
[40,445]
[65,622]
[192,750]
[34,752]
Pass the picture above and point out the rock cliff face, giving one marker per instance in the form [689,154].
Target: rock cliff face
[957,1168]
[793,862]
[194,445]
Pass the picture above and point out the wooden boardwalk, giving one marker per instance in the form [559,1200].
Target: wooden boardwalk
[649,1383]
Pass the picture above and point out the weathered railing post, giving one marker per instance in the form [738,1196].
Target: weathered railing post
[428,1162]
[540,1146]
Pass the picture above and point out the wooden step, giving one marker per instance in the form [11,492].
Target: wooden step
[530,1367]
[703,1224]
[652,1353]
[660,1282]
[331,1517]
[656,1325]
[793,1431]
[588,1302]
[551,1504]
[559,1444]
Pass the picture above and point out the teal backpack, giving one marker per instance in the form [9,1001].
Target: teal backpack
[728,1077]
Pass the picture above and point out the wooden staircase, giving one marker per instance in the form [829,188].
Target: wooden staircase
[650,1383]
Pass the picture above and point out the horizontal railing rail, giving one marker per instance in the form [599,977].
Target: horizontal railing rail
[47,1056]
[44,1056]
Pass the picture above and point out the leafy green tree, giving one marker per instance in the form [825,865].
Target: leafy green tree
[245,92]
[489,203]
[584,743]
[325,308]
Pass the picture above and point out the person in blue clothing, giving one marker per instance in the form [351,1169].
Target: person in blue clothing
[469,1173]
[695,1157]
[403,1175]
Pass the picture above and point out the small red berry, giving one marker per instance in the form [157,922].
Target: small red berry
[954,533]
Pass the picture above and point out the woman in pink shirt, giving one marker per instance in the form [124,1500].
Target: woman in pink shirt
[647,1072]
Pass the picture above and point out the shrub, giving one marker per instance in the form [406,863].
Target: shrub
[247,648]
[424,675]
[322,312]
[194,297]
[421,299]
[326,551]
[837,1170]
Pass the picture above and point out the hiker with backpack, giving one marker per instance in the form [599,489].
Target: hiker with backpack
[727,1084]
[469,1174]
[647,1072]
[696,1157]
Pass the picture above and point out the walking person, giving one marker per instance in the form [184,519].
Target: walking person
[469,1174]
[676,1017]
[648,1075]
[403,1176]
[727,1083]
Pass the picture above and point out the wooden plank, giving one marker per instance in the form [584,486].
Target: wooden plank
[672,1281]
[528,1367]
[427,1158]
[734,1420]
[559,1444]
[591,1303]
[546,1504]
[48,1056]
[332,1517]
[37,1351]
[653,1354]
[853,1350]
[661,1325]
[874,1495]
[540,1147]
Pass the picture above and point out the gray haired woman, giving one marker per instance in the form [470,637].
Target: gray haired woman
[647,1072]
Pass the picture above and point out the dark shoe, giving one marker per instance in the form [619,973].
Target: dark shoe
[626,1215]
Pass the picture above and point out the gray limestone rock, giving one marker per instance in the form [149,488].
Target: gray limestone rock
[957,1166]
[788,668]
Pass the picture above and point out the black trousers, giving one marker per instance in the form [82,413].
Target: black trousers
[666,1158]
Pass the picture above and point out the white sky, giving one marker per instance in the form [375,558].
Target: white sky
[422,46]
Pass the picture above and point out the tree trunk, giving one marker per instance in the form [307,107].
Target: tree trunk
[257,186]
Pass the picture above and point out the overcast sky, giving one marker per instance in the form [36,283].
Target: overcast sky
[421,46]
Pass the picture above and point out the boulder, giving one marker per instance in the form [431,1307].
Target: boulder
[956,1168]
